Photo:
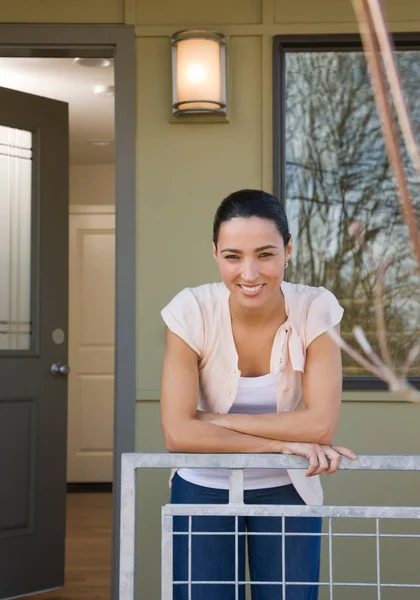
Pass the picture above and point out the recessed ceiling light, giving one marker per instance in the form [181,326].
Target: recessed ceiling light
[93,62]
[100,142]
[104,90]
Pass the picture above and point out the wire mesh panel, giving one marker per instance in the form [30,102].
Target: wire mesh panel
[377,580]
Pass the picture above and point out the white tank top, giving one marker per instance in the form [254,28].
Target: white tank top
[256,395]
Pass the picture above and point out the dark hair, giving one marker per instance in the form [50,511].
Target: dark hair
[251,203]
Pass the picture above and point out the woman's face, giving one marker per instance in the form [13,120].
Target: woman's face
[251,257]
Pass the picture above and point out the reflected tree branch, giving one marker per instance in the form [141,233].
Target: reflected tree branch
[370,18]
[380,58]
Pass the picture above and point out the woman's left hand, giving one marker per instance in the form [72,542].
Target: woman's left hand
[322,458]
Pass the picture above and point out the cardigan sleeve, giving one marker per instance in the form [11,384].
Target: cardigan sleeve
[183,317]
[324,312]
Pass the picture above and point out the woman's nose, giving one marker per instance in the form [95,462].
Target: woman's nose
[249,271]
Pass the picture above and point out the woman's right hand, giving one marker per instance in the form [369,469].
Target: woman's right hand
[322,459]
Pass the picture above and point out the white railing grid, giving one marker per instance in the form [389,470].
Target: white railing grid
[236,508]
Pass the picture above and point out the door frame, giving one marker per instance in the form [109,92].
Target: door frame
[118,42]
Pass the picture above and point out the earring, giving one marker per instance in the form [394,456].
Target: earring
[286,265]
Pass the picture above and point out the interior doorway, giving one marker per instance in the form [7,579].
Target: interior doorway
[91,331]
[87,86]
[115,43]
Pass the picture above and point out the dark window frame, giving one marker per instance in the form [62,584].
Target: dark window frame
[283,44]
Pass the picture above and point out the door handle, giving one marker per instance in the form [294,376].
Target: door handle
[59,369]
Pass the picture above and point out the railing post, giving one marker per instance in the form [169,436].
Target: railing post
[236,486]
[167,556]
[127,529]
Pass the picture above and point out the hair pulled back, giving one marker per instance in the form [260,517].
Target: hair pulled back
[251,203]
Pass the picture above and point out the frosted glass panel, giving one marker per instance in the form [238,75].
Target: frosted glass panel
[15,238]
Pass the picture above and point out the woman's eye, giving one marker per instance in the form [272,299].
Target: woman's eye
[265,254]
[231,256]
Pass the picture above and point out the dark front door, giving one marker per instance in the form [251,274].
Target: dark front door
[33,341]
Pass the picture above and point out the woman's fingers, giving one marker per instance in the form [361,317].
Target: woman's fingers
[345,452]
[334,458]
[312,456]
[322,459]
[306,450]
[318,462]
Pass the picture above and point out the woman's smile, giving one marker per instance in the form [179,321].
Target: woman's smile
[251,290]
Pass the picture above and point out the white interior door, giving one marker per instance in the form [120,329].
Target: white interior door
[91,344]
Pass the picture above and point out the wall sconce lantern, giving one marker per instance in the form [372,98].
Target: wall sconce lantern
[198,72]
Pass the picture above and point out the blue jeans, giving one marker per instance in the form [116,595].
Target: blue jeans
[213,556]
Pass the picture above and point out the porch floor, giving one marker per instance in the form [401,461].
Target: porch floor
[88,549]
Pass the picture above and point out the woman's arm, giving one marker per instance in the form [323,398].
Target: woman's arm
[182,431]
[322,385]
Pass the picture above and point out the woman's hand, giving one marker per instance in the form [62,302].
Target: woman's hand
[322,459]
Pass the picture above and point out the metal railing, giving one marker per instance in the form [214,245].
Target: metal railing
[236,508]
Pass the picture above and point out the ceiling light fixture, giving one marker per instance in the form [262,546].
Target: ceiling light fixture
[107,91]
[93,63]
[100,142]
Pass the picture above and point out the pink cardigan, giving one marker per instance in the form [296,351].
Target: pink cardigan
[201,317]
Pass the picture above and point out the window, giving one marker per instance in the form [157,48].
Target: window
[331,170]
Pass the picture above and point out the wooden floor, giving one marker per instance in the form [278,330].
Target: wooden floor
[88,549]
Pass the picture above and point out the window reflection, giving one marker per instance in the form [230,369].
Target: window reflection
[337,173]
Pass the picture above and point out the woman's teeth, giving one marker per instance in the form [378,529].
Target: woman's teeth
[254,288]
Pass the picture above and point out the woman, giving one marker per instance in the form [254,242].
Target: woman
[253,354]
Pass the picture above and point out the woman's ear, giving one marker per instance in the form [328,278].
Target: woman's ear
[288,249]
[214,251]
